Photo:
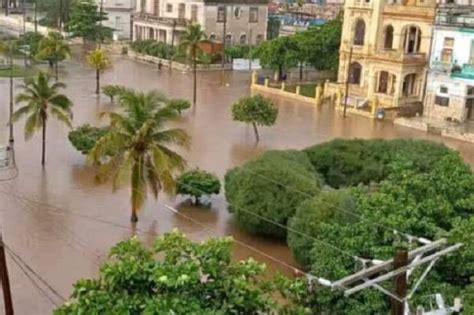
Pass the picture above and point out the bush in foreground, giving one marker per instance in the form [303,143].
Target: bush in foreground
[113,90]
[179,105]
[85,137]
[197,183]
[177,276]
[268,189]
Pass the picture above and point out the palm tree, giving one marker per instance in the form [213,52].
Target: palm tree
[136,147]
[54,49]
[190,41]
[42,99]
[99,60]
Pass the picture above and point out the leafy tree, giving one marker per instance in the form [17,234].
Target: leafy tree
[197,183]
[85,21]
[190,42]
[85,137]
[32,40]
[277,54]
[179,105]
[264,193]
[99,60]
[42,100]
[113,90]
[321,43]
[177,276]
[55,13]
[351,162]
[310,214]
[136,147]
[273,27]
[54,49]
[256,110]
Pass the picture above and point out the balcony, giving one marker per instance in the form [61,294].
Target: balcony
[465,72]
[153,19]
[398,55]
[419,8]
[455,15]
[441,66]
[362,4]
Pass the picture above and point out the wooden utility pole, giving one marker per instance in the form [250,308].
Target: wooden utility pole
[346,96]
[400,260]
[7,295]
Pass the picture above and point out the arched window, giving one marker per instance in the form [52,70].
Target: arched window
[228,40]
[359,34]
[212,37]
[409,85]
[259,39]
[388,37]
[243,39]
[355,73]
[386,83]
[412,40]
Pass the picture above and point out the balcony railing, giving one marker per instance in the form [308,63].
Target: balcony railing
[465,72]
[441,66]
[399,55]
[455,15]
[147,17]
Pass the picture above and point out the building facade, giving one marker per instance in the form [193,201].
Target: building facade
[119,14]
[450,87]
[385,51]
[236,21]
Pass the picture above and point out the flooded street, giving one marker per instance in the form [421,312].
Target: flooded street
[62,223]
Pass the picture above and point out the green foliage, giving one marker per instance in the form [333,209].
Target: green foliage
[54,49]
[153,48]
[310,214]
[351,162]
[179,105]
[197,183]
[273,27]
[85,137]
[237,51]
[113,90]
[85,21]
[256,110]
[31,39]
[277,54]
[51,10]
[176,277]
[269,189]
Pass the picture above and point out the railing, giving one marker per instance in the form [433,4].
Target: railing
[401,55]
[441,66]
[455,15]
[147,17]
[362,4]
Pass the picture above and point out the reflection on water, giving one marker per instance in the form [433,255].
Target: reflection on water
[62,222]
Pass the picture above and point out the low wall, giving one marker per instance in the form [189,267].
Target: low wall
[174,64]
[286,94]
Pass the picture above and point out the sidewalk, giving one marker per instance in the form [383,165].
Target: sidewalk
[14,23]
[459,131]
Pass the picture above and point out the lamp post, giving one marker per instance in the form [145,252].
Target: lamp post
[224,26]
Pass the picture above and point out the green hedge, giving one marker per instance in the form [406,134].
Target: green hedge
[270,187]
[84,137]
[153,48]
[352,162]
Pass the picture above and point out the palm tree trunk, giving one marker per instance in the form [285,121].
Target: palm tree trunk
[195,77]
[56,71]
[97,80]
[134,217]
[257,137]
[43,153]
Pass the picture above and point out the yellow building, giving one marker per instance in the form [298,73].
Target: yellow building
[390,42]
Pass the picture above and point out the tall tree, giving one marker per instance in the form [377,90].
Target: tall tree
[54,49]
[42,99]
[85,21]
[136,147]
[99,60]
[190,41]
[277,54]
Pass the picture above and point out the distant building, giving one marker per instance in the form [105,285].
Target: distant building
[450,88]
[390,41]
[245,21]
[119,13]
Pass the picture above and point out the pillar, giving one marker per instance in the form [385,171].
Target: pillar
[283,85]
[318,94]
[338,97]
[374,104]
[266,82]
[298,90]
[254,77]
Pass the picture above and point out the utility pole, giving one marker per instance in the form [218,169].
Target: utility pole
[173,30]
[7,6]
[35,8]
[224,26]
[10,138]
[346,96]
[400,259]
[7,294]
[101,13]
[60,16]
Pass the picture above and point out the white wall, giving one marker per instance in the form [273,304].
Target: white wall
[463,43]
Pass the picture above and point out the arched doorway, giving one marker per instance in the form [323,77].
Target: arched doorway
[388,37]
[355,73]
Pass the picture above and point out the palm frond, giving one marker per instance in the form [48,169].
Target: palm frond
[173,136]
[33,123]
[61,115]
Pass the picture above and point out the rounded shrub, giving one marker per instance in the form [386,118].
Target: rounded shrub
[197,183]
[332,206]
[351,162]
[84,137]
[268,189]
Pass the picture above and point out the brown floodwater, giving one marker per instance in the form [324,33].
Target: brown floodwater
[62,223]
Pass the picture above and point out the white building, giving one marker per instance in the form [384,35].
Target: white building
[450,86]
[244,21]
[119,14]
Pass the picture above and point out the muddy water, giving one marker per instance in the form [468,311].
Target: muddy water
[62,223]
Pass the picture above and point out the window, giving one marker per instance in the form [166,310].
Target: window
[412,40]
[383,82]
[118,23]
[447,55]
[243,39]
[194,13]
[359,35]
[409,85]
[156,7]
[470,91]
[181,11]
[448,42]
[442,101]
[213,37]
[169,8]
[443,89]
[228,40]
[259,39]
[388,37]
[237,13]
[355,73]
[253,15]
[221,14]
[471,59]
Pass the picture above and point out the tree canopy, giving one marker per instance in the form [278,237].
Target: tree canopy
[85,20]
[198,183]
